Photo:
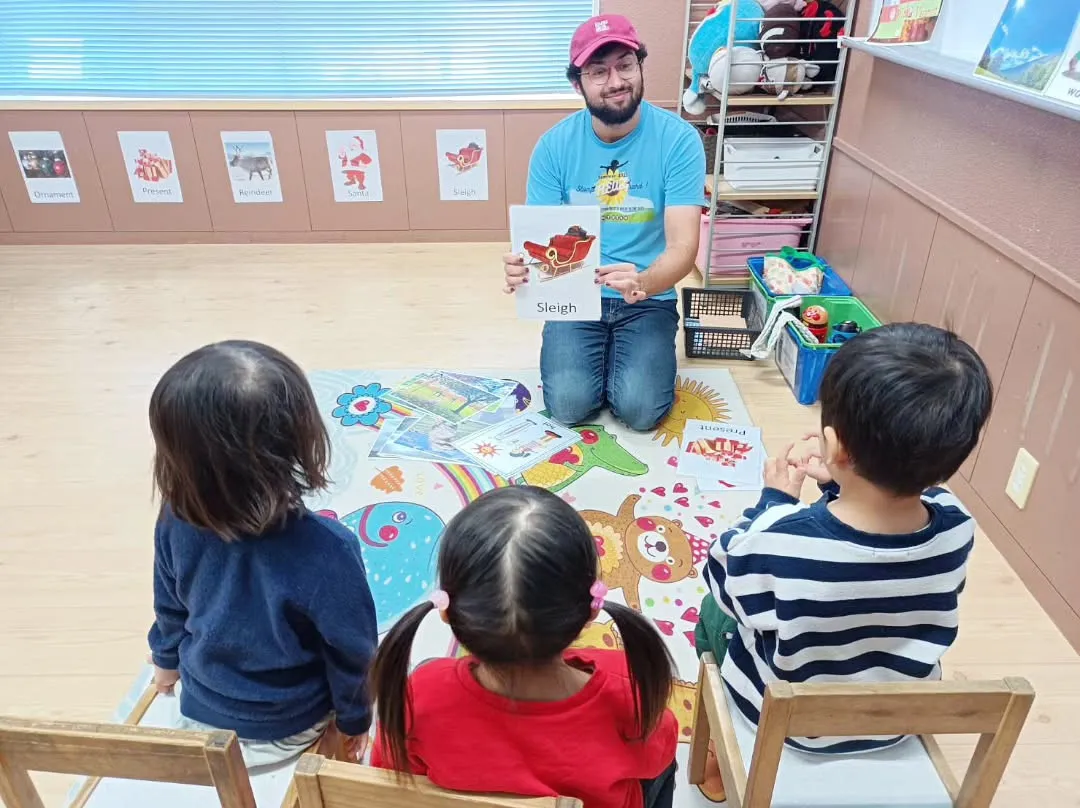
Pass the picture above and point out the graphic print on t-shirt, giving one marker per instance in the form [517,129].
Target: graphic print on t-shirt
[614,190]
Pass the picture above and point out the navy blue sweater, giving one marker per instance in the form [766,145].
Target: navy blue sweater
[270,633]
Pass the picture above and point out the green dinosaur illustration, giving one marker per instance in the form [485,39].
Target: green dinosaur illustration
[598,448]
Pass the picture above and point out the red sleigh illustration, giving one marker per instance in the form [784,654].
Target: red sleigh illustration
[563,254]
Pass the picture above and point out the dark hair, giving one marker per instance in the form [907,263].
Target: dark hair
[573,72]
[238,438]
[907,401]
[517,565]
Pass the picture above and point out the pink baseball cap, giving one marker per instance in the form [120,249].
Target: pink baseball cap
[596,32]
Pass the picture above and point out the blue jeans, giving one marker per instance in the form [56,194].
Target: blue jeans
[625,360]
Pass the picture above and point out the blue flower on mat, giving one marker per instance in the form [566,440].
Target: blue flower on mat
[364,405]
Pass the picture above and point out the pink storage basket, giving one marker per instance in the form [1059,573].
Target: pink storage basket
[735,240]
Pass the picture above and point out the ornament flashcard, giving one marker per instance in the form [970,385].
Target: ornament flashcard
[45,167]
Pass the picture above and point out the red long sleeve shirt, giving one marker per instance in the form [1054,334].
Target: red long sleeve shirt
[466,738]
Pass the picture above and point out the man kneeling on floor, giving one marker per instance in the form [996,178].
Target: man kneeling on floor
[645,167]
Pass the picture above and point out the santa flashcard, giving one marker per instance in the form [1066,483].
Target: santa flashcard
[354,165]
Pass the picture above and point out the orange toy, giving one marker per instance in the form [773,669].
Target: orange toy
[816,319]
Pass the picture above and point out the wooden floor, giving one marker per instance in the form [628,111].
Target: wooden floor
[85,333]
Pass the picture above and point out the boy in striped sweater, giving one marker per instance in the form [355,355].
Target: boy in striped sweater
[863,585]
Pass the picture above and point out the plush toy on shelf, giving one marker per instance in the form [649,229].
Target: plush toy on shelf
[825,26]
[745,71]
[781,31]
[709,37]
[788,76]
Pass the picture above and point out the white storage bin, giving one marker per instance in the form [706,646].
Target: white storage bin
[767,163]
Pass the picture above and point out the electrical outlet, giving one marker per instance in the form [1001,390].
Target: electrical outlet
[1022,478]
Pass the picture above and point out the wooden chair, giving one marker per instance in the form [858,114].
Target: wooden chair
[119,751]
[914,774]
[323,783]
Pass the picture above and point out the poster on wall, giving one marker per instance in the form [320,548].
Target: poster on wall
[906,22]
[45,167]
[463,164]
[1030,42]
[151,167]
[1065,83]
[252,166]
[354,166]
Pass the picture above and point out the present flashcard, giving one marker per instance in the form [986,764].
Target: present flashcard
[151,167]
[722,452]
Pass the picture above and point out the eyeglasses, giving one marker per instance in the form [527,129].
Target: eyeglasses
[598,74]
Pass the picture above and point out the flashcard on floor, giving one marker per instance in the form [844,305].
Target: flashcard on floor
[561,246]
[728,452]
[509,448]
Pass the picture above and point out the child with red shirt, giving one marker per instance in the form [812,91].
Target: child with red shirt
[524,715]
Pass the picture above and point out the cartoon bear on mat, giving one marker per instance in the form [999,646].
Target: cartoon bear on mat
[632,548]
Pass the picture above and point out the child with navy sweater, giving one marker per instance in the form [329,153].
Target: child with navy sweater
[864,585]
[265,624]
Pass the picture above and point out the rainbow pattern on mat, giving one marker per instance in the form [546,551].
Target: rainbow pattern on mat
[470,482]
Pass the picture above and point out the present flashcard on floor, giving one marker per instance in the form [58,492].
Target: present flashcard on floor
[561,246]
[509,448]
[722,452]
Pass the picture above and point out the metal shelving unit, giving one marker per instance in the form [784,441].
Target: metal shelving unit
[812,113]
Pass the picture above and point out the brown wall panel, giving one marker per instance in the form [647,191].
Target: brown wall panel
[523,129]
[5,222]
[661,26]
[1037,409]
[91,212]
[895,243]
[190,215]
[328,214]
[426,210]
[976,292]
[289,215]
[846,195]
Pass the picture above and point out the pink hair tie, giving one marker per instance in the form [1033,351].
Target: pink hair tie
[598,591]
[440,600]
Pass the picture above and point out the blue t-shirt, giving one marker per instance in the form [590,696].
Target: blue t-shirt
[658,165]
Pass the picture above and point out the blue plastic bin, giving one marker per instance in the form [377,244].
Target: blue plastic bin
[802,363]
[832,285]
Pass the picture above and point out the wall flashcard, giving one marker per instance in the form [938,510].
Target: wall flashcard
[354,166]
[561,246]
[463,164]
[151,167]
[252,167]
[45,167]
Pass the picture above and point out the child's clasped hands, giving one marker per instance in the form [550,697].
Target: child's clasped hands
[788,470]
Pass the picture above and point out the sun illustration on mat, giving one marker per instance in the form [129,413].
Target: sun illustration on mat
[693,402]
[485,450]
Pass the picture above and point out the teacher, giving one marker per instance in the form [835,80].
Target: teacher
[645,167]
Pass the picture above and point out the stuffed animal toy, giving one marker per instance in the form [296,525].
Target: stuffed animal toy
[825,49]
[745,71]
[710,36]
[781,38]
[788,76]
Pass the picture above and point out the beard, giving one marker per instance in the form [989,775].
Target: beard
[613,114]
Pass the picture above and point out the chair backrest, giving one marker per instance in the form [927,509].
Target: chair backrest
[119,751]
[994,710]
[323,783]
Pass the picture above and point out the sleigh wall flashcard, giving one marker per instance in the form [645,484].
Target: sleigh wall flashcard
[561,246]
[722,452]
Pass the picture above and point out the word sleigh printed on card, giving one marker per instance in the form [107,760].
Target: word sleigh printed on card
[561,248]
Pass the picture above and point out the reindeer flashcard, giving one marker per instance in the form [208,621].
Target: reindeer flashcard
[252,167]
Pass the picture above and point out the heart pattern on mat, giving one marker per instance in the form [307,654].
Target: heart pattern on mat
[667,628]
[704,520]
[680,489]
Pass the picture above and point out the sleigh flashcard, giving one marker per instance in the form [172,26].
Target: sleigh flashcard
[463,165]
[722,452]
[510,448]
[561,246]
